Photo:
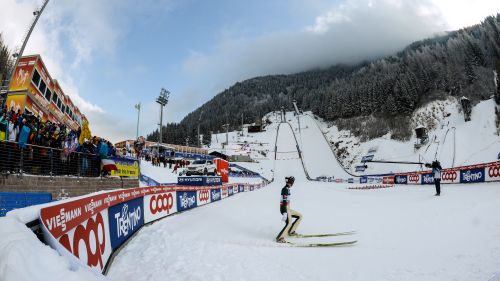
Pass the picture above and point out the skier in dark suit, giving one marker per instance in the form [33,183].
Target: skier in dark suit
[287,212]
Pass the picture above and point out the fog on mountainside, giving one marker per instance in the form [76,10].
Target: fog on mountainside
[382,93]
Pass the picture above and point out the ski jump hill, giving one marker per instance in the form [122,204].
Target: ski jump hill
[226,233]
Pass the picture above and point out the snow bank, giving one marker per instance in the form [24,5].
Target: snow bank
[24,257]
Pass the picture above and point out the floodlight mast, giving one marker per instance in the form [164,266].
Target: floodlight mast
[18,54]
[163,101]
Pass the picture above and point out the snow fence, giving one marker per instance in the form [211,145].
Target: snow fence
[88,230]
[486,172]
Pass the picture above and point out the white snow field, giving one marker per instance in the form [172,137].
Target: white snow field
[403,233]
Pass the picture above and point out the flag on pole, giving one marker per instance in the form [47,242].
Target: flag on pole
[138,106]
[108,165]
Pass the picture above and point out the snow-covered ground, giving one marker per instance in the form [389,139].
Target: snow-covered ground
[403,233]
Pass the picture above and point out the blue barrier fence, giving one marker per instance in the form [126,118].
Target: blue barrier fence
[15,200]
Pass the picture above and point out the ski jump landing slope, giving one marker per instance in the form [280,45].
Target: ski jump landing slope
[319,159]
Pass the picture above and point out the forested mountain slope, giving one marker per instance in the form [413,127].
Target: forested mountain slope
[381,93]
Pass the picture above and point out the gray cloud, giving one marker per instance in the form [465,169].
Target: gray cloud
[351,32]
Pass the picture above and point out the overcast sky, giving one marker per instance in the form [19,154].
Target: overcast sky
[111,54]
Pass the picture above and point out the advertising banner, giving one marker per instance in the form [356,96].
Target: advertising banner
[89,243]
[252,187]
[450,176]
[149,181]
[350,180]
[124,220]
[126,167]
[22,76]
[427,178]
[215,195]
[414,178]
[157,206]
[388,180]
[367,158]
[360,168]
[16,101]
[472,175]
[31,106]
[203,197]
[241,188]
[247,187]
[493,172]
[401,179]
[222,169]
[213,180]
[199,181]
[235,188]
[224,192]
[363,180]
[186,200]
[191,181]
[230,190]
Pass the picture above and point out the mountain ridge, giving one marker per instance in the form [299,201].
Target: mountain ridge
[390,89]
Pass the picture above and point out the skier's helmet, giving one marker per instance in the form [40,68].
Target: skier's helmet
[290,179]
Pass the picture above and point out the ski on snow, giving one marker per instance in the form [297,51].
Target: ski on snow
[323,234]
[335,244]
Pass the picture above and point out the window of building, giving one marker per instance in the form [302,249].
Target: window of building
[36,78]
[59,103]
[48,95]
[42,87]
[54,98]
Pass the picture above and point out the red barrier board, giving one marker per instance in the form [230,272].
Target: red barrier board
[222,169]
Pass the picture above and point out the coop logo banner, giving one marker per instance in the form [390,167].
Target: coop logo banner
[363,180]
[428,178]
[472,175]
[401,179]
[449,176]
[413,178]
[215,194]
[186,200]
[493,172]
[125,219]
[203,197]
[157,206]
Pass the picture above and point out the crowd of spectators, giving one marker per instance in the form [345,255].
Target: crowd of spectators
[171,163]
[48,142]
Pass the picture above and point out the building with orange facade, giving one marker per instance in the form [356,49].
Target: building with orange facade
[33,90]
